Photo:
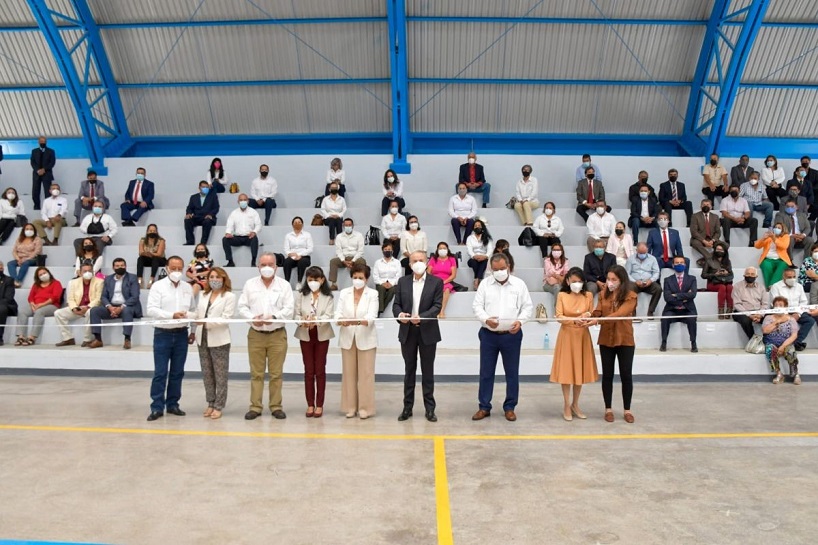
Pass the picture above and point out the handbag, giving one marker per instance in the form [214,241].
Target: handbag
[755,345]
[459,287]
[511,202]
[162,273]
[234,187]
[317,220]
[541,314]
[526,238]
[20,220]
[95,228]
[373,236]
[318,200]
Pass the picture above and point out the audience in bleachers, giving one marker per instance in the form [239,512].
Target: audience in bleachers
[412,239]
[462,211]
[99,226]
[333,210]
[151,254]
[10,208]
[643,272]
[336,175]
[502,247]
[8,305]
[91,189]
[480,247]
[119,301]
[775,257]
[714,179]
[349,250]
[620,244]
[392,193]
[243,228]
[718,271]
[263,191]
[472,174]
[740,174]
[664,243]
[88,251]
[749,295]
[705,231]
[774,180]
[314,303]
[199,268]
[590,195]
[84,293]
[201,211]
[548,228]
[582,169]
[596,265]
[27,248]
[780,334]
[526,195]
[298,247]
[44,299]
[385,274]
[138,199]
[216,178]
[444,266]
[555,267]
[680,293]
[789,288]
[644,210]
[43,159]
[600,225]
[52,216]
[673,196]
[393,225]
[636,188]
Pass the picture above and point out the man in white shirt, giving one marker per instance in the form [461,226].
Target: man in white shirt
[169,299]
[263,191]
[789,288]
[600,225]
[349,251]
[735,213]
[503,305]
[386,273]
[462,210]
[265,299]
[243,226]
[52,216]
[753,192]
[99,227]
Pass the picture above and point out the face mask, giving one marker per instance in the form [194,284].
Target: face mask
[215,284]
[500,275]
[314,285]
[55,192]
[205,190]
[44,277]
[679,267]
[419,267]
[393,211]
[42,147]
[718,253]
[753,181]
[576,287]
[770,163]
[526,173]
[152,235]
[663,223]
[242,204]
[175,276]
[790,282]
[556,254]
[815,256]
[734,194]
[358,283]
[98,210]
[714,162]
[87,275]
[217,165]
[478,231]
[801,174]
[88,247]
[776,231]
[642,256]
[805,165]
[790,210]
[443,252]
[200,254]
[599,252]
[10,196]
[413,226]
[612,286]
[643,195]
[706,209]
[29,233]
[794,194]
[267,272]
[586,164]
[263,173]
[750,279]
[643,181]
[120,271]
[391,179]
[333,191]
[472,160]
[140,177]
[600,210]
[590,176]
[461,192]
[348,229]
[387,254]
[619,232]
[743,164]
[549,212]
[673,178]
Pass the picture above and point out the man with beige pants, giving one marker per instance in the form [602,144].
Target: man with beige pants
[52,216]
[265,299]
[84,293]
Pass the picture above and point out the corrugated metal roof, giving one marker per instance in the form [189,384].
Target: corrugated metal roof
[774,54]
[792,11]
[774,113]
[26,59]
[548,109]
[656,9]
[32,113]
[16,13]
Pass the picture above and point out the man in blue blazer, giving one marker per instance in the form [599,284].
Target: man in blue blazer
[138,199]
[119,301]
[679,292]
[644,211]
[201,211]
[673,196]
[664,243]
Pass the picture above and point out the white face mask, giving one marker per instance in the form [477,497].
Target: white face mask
[576,287]
[314,285]
[267,272]
[419,267]
[443,252]
[612,285]
[10,196]
[662,223]
[461,192]
[348,229]
[500,275]
[55,192]
[391,179]
[556,253]
[87,275]
[413,226]
[549,212]
[44,277]
[815,256]
[393,211]
[753,181]
[358,283]
[600,210]
[472,160]
[175,276]
[29,233]
[790,282]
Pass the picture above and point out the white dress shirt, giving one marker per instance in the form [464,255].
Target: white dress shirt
[795,295]
[9,212]
[417,291]
[393,226]
[223,180]
[474,246]
[349,245]
[300,243]
[508,302]
[463,208]
[414,241]
[275,301]
[241,223]
[333,175]
[601,226]
[541,227]
[527,191]
[108,223]
[117,298]
[166,299]
[396,188]
[768,176]
[264,188]
[330,207]
[387,271]
[53,207]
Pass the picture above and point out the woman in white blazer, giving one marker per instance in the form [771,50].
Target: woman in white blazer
[355,312]
[620,244]
[213,338]
[314,302]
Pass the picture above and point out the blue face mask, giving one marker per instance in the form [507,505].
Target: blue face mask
[205,190]
[599,252]
[642,256]
[790,210]
[242,204]
[140,177]
[679,268]
[777,231]
[97,210]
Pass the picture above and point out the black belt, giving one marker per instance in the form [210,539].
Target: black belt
[497,332]
[267,332]
[172,330]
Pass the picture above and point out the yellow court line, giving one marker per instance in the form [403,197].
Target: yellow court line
[444,515]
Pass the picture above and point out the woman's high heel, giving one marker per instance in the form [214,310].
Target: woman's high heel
[576,412]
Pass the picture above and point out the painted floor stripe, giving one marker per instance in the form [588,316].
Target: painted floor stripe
[444,516]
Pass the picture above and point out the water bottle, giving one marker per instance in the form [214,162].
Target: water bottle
[546,342]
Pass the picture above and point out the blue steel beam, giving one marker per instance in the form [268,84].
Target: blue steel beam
[98,105]
[401,140]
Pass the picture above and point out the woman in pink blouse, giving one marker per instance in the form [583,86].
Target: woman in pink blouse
[26,249]
[444,266]
[555,267]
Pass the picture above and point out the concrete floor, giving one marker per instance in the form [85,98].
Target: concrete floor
[91,469]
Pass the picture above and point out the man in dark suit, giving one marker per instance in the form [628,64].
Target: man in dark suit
[644,210]
[201,211]
[673,196]
[679,292]
[43,160]
[418,295]
[91,189]
[596,266]
[119,301]
[664,243]
[740,173]
[471,174]
[589,191]
[8,306]
[633,190]
[705,231]
[138,199]
[798,226]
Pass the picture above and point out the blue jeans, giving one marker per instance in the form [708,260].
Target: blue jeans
[18,275]
[767,209]
[485,189]
[805,323]
[169,349]
[507,345]
[132,212]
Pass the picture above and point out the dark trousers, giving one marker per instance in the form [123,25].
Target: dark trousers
[169,356]
[585,212]
[687,206]
[6,310]
[713,193]
[805,323]
[410,349]
[655,294]
[205,223]
[101,313]
[691,322]
[775,194]
[507,345]
[153,262]
[131,212]
[609,355]
[545,242]
[336,225]
[479,267]
[229,243]
[635,223]
[6,228]
[385,295]
[750,223]
[314,356]
[301,264]
[39,185]
[746,324]
[268,206]
[385,204]
[456,227]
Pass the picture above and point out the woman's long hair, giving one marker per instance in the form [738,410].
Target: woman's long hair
[214,170]
[619,294]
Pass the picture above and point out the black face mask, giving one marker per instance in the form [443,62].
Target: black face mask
[590,176]
[734,194]
[619,232]
[805,165]
[152,235]
[333,191]
[714,162]
[387,253]
[88,247]
[92,181]
[643,180]
[200,254]
[673,178]
[119,271]
[705,209]
[478,231]
[264,173]
[526,173]
[718,254]
[750,279]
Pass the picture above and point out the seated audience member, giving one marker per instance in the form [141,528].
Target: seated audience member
[88,252]
[620,244]
[52,216]
[679,292]
[472,174]
[600,226]
[199,268]
[8,305]
[749,295]
[774,258]
[583,168]
[527,196]
[735,213]
[808,272]
[10,207]
[793,292]
[812,174]
[643,272]
[385,273]
[596,266]
[548,228]
[774,179]
[804,187]
[336,175]
[91,189]
[392,225]
[444,266]
[714,179]
[349,251]
[151,254]
[99,227]
[673,196]
[502,247]
[462,211]
[664,243]
[263,191]
[138,199]
[718,271]
[243,227]
[740,173]
[26,249]
[644,209]
[800,201]
[636,187]
[84,293]
[297,250]
[757,199]
[333,209]
[780,332]
[555,267]
[480,247]
[413,239]
[797,225]
[216,178]
[705,231]
[590,191]
[43,300]
[201,211]
[119,301]
[392,192]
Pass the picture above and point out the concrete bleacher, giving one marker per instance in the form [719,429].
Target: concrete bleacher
[434,187]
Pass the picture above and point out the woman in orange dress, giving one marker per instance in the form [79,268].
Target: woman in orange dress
[574,360]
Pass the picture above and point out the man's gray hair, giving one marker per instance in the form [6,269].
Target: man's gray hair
[268,254]
[499,256]
[416,252]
